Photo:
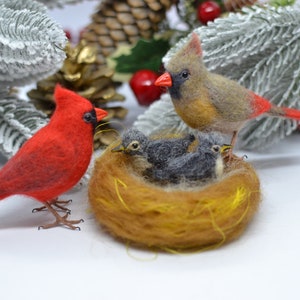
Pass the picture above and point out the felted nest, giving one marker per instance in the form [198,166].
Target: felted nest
[172,218]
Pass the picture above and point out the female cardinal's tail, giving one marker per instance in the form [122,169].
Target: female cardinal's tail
[284,112]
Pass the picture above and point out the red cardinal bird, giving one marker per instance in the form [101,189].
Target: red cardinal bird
[56,157]
[211,102]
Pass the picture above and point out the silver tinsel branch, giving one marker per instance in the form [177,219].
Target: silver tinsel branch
[31,47]
[24,4]
[59,3]
[31,44]
[161,117]
[19,120]
[259,48]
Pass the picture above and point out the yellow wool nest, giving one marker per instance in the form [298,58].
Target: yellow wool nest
[177,218]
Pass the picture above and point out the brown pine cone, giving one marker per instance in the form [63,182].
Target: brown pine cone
[124,22]
[235,5]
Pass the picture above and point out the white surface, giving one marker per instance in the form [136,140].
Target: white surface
[63,264]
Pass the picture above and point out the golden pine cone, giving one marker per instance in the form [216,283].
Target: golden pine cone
[82,73]
[124,22]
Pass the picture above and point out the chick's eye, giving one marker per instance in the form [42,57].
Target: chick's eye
[216,148]
[185,74]
[134,145]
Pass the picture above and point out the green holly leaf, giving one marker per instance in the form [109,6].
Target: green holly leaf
[146,54]
[278,3]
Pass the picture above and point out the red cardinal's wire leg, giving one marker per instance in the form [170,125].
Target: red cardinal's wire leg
[57,203]
[60,220]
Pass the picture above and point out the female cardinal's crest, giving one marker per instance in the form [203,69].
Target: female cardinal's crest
[194,45]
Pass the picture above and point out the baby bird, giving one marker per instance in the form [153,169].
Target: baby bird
[205,163]
[211,102]
[155,152]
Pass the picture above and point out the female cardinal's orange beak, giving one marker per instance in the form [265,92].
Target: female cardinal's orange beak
[100,113]
[164,80]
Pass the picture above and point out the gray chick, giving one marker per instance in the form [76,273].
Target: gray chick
[159,152]
[134,142]
[156,152]
[205,163]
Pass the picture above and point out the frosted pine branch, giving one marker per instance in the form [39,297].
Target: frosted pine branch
[31,44]
[161,117]
[19,120]
[258,48]
[24,4]
[59,3]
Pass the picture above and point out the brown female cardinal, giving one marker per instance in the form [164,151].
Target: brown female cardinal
[56,157]
[211,102]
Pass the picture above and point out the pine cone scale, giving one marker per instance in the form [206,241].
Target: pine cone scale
[118,22]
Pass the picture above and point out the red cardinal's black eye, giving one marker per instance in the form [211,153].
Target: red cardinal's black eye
[88,117]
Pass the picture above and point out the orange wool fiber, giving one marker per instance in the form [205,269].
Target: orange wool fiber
[172,218]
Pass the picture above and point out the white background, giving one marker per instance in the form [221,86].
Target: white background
[63,264]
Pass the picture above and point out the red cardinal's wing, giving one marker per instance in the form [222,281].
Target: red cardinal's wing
[39,171]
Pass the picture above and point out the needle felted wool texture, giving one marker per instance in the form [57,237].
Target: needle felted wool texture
[155,150]
[172,217]
[57,156]
[205,163]
[211,102]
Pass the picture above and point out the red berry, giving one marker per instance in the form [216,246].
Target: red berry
[208,11]
[68,34]
[142,84]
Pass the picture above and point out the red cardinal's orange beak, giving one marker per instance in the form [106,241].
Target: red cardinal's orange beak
[164,80]
[100,113]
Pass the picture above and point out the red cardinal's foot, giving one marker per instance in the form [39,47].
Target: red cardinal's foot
[60,220]
[57,203]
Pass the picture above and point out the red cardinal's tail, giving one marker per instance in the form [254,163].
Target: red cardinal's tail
[4,192]
[284,112]
[3,195]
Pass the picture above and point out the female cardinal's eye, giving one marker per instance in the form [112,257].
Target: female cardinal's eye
[185,74]
[88,117]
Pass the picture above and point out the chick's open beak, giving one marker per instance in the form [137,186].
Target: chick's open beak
[164,80]
[100,114]
[225,148]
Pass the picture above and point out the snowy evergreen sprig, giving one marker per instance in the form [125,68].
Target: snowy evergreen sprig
[161,117]
[259,48]
[31,44]
[24,4]
[19,120]
[58,3]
